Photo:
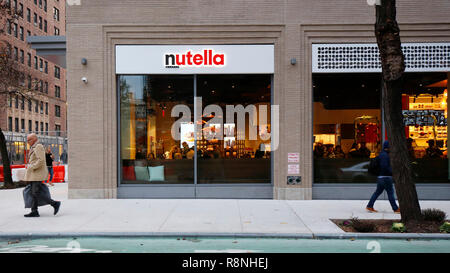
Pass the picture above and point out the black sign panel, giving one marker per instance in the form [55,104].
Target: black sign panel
[424,117]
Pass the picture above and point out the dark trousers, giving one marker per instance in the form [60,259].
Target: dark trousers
[384,183]
[50,171]
[36,193]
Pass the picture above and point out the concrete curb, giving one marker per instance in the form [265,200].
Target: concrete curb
[153,234]
[401,236]
[398,236]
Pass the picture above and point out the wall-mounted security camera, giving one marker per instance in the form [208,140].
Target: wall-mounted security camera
[84,79]
[74,2]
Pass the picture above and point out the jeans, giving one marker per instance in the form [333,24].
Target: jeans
[50,171]
[384,183]
[35,192]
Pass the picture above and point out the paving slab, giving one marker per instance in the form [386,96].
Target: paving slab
[176,217]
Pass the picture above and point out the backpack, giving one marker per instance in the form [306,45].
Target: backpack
[374,166]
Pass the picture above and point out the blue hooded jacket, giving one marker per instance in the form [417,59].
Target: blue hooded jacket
[385,162]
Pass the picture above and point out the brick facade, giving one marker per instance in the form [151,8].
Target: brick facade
[47,78]
[95,27]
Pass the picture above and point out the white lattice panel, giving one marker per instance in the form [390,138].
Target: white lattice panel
[342,58]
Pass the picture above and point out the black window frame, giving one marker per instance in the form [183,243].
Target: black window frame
[57,91]
[20,11]
[10,124]
[57,72]
[29,59]
[30,82]
[58,129]
[56,13]
[22,56]
[21,33]
[16,125]
[57,111]
[16,54]
[15,30]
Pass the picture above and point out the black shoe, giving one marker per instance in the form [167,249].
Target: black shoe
[56,207]
[32,214]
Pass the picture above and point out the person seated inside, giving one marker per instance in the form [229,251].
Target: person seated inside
[338,152]
[151,156]
[176,153]
[364,151]
[185,149]
[319,150]
[330,152]
[409,145]
[215,153]
[190,154]
[354,150]
[433,151]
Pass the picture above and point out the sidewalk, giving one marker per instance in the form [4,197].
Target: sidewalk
[214,217]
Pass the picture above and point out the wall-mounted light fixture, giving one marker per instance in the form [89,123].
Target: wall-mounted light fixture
[374,2]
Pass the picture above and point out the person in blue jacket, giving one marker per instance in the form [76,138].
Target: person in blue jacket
[384,180]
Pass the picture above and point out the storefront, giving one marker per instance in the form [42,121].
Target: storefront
[137,72]
[349,127]
[195,120]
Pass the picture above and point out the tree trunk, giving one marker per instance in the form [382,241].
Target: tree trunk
[393,66]
[7,177]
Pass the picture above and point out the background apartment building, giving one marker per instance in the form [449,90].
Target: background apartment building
[45,113]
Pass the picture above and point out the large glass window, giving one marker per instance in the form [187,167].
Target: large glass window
[424,105]
[240,156]
[348,126]
[233,150]
[149,153]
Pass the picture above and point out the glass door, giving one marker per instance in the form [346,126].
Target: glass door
[234,147]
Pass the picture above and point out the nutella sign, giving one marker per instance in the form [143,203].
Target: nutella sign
[194,59]
[206,58]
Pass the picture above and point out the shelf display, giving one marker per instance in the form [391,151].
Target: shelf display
[212,131]
[425,118]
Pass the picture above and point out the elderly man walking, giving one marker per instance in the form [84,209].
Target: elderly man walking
[36,172]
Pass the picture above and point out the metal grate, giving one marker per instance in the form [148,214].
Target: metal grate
[342,58]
